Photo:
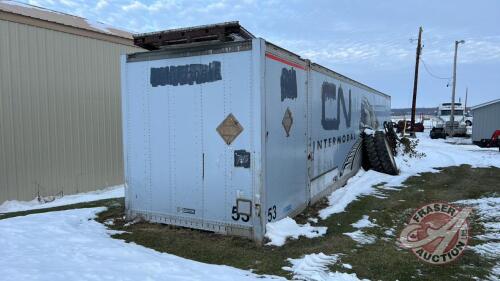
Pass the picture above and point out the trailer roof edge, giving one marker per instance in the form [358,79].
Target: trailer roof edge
[485,104]
[340,76]
[343,77]
[194,27]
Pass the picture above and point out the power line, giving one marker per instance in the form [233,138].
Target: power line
[432,74]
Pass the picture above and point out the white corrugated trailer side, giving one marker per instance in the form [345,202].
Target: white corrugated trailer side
[486,120]
[229,136]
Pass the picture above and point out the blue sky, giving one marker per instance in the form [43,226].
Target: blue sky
[366,40]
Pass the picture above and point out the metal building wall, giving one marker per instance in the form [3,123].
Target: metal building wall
[60,113]
[485,121]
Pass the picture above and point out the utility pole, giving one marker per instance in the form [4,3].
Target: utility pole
[415,81]
[466,93]
[452,115]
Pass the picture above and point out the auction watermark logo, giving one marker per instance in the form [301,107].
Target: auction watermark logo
[437,233]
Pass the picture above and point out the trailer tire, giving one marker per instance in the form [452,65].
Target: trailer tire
[370,156]
[378,154]
[392,137]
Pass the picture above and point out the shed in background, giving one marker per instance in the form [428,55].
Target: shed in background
[486,120]
[60,112]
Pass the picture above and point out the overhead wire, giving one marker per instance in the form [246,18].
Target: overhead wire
[430,72]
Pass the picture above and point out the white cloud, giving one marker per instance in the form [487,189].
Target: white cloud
[135,5]
[155,7]
[68,3]
[214,6]
[101,4]
[343,41]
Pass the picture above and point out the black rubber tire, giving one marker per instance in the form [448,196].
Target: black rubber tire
[392,138]
[378,154]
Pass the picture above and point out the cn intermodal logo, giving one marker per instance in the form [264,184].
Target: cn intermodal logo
[437,233]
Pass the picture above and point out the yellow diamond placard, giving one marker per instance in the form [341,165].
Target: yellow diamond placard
[229,129]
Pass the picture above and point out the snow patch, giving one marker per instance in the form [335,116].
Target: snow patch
[107,193]
[368,131]
[313,220]
[495,273]
[314,267]
[360,237]
[438,154]
[490,250]
[390,232]
[360,184]
[488,209]
[346,265]
[132,222]
[279,231]
[364,222]
[70,245]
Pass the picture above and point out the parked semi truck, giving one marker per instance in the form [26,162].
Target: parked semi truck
[227,132]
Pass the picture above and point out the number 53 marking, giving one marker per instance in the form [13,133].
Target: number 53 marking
[271,213]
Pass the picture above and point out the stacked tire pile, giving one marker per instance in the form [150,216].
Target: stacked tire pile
[379,148]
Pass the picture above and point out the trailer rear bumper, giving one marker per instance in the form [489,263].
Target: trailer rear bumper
[213,226]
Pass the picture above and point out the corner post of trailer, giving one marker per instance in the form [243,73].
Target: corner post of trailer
[259,120]
[309,128]
[124,105]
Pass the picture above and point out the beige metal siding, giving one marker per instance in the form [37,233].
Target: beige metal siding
[60,117]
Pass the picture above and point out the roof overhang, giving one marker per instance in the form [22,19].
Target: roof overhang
[485,104]
[38,17]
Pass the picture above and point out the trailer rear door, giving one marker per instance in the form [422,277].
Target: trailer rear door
[175,112]
[286,132]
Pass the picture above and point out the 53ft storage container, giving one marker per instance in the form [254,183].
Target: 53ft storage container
[228,136]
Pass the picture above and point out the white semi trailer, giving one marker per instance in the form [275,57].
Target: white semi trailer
[230,133]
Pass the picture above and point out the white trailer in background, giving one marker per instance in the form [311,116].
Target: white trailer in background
[230,134]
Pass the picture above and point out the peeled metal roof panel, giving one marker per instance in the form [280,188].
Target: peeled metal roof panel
[219,32]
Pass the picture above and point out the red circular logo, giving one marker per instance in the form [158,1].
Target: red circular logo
[437,233]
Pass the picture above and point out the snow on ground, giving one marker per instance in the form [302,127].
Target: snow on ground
[314,267]
[438,152]
[495,273]
[70,245]
[358,235]
[360,184]
[390,232]
[313,220]
[368,131]
[277,232]
[361,237]
[364,222]
[456,140]
[488,210]
[75,247]
[107,193]
[346,265]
